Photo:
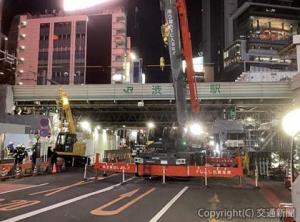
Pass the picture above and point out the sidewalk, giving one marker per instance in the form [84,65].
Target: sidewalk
[273,191]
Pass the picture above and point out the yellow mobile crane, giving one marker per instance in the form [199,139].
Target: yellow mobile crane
[67,144]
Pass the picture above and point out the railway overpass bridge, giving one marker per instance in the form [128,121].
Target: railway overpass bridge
[135,104]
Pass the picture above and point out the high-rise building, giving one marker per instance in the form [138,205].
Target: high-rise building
[215,16]
[258,32]
[85,47]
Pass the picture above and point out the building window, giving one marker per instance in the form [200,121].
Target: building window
[80,52]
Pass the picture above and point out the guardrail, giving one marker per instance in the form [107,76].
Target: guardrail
[114,92]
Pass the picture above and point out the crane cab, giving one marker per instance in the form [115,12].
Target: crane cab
[67,145]
[65,142]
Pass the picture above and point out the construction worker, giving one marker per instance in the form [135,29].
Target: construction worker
[15,154]
[19,154]
[22,153]
[54,157]
[246,161]
[49,153]
[34,154]
[10,149]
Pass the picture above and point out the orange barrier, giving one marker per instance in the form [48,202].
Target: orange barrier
[172,170]
[8,170]
[26,168]
[5,170]
[218,160]
[43,167]
[116,167]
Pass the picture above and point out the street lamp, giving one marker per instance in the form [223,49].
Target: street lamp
[291,126]
[150,125]
[133,56]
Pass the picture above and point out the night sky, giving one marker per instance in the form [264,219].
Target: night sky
[144,22]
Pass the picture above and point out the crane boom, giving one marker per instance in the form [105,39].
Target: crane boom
[188,54]
[67,144]
[67,109]
[176,18]
[175,50]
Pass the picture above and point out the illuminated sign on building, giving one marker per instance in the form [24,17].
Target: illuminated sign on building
[197,62]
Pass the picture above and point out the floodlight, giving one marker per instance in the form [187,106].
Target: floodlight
[73,5]
[291,122]
[196,129]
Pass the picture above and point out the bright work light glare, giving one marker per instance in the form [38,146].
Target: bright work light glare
[291,122]
[196,129]
[65,101]
[133,56]
[73,5]
[85,125]
[150,125]
[211,143]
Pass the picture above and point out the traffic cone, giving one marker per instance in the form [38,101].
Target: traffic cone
[54,169]
[35,172]
[3,173]
[18,172]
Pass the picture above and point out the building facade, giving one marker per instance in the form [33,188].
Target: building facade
[215,15]
[258,34]
[79,48]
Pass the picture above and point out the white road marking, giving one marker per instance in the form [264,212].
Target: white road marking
[66,202]
[168,205]
[24,188]
[102,178]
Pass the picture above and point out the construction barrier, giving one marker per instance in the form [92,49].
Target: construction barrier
[43,167]
[220,161]
[172,170]
[6,170]
[26,169]
[9,170]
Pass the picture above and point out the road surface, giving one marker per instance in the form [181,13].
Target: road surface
[65,197]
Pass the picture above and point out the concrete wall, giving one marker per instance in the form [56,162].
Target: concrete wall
[230,6]
[101,142]
[209,73]
[6,97]
[12,128]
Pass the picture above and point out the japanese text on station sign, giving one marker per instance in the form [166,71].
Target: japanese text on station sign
[156,90]
[128,90]
[215,88]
